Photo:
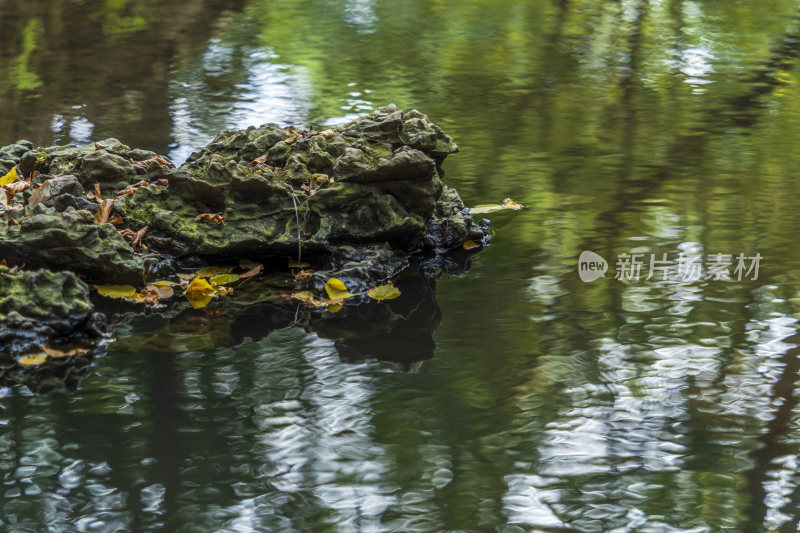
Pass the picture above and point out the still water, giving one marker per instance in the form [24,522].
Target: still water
[513,398]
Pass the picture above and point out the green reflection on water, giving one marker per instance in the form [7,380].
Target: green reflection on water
[550,403]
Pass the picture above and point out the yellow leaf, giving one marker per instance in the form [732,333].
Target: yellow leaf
[469,245]
[207,272]
[9,178]
[223,279]
[33,359]
[334,308]
[508,203]
[384,292]
[337,290]
[199,293]
[303,296]
[295,264]
[57,354]
[120,292]
[185,276]
[164,283]
[485,208]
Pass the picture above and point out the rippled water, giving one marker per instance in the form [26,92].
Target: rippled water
[513,398]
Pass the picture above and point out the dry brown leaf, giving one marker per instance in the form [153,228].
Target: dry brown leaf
[260,160]
[98,195]
[116,220]
[303,275]
[211,217]
[163,161]
[164,291]
[13,188]
[161,183]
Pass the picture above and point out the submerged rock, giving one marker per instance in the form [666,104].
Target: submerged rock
[43,307]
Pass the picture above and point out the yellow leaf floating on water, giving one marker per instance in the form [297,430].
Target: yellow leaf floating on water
[334,308]
[33,359]
[508,204]
[384,292]
[199,293]
[9,178]
[307,297]
[469,245]
[337,290]
[223,279]
[120,292]
[57,354]
[207,272]
[164,283]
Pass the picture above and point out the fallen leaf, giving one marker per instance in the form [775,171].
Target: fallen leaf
[211,217]
[57,354]
[337,290]
[164,292]
[116,220]
[164,283]
[223,279]
[260,160]
[11,177]
[334,308]
[161,183]
[186,276]
[120,292]
[296,264]
[328,134]
[302,275]
[163,161]
[307,297]
[469,245]
[104,211]
[33,359]
[13,188]
[320,178]
[199,293]
[384,292]
[207,272]
[508,203]
[484,209]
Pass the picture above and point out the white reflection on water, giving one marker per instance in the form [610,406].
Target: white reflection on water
[271,92]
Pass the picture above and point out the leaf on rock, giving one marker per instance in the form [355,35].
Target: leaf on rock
[337,290]
[58,354]
[32,359]
[384,292]
[211,217]
[223,279]
[199,293]
[207,272]
[9,178]
[469,245]
[13,188]
[119,292]
[104,211]
[116,219]
[164,292]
